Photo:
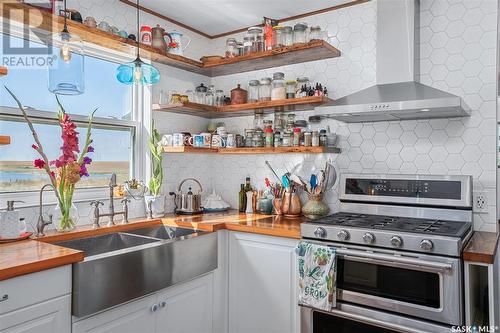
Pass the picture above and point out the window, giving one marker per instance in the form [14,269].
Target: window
[113,132]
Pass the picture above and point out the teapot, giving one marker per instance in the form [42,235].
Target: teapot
[159,35]
[176,38]
[187,203]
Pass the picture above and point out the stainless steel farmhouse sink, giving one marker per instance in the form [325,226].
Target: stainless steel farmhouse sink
[121,266]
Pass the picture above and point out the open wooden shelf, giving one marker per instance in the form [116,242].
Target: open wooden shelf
[247,109]
[3,71]
[244,150]
[314,50]
[4,140]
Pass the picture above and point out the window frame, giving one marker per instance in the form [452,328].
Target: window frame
[139,125]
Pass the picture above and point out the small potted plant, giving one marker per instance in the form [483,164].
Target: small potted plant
[156,199]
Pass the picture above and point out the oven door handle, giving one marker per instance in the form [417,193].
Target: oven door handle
[385,259]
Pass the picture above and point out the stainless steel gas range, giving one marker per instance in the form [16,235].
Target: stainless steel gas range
[399,240]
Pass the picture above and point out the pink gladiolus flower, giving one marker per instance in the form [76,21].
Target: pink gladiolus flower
[40,164]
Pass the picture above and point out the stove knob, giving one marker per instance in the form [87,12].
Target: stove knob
[396,241]
[426,245]
[369,238]
[343,235]
[320,232]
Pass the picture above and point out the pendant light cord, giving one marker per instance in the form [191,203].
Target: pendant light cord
[138,32]
[65,29]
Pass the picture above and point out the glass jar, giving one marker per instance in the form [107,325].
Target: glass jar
[248,44]
[258,121]
[269,137]
[253,91]
[296,137]
[190,94]
[315,33]
[277,138]
[258,139]
[307,139]
[265,89]
[300,33]
[278,91]
[201,92]
[279,120]
[301,87]
[322,138]
[219,97]
[258,38]
[279,33]
[315,139]
[239,48]
[290,88]
[231,48]
[268,125]
[248,137]
[287,139]
[288,36]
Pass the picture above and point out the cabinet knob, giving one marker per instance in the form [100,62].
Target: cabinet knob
[163,304]
[4,298]
[155,307]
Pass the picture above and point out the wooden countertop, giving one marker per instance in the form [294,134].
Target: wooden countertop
[271,225]
[38,254]
[481,247]
[30,256]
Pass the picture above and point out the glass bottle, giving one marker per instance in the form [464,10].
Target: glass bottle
[300,33]
[231,48]
[248,44]
[247,187]
[279,33]
[315,139]
[253,91]
[278,90]
[307,139]
[219,97]
[296,137]
[242,199]
[265,89]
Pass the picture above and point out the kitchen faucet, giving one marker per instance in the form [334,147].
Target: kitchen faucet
[111,213]
[42,223]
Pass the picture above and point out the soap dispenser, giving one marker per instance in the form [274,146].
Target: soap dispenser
[9,221]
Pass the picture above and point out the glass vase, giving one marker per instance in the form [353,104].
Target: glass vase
[65,218]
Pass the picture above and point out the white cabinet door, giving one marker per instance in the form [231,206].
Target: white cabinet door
[133,317]
[46,317]
[262,284]
[187,308]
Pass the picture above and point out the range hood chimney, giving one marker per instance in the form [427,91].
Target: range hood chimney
[397,95]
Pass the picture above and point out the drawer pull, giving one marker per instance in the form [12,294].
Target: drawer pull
[4,298]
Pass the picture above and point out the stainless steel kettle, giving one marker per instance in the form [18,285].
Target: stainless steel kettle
[187,203]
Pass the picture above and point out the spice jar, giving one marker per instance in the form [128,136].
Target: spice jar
[257,139]
[231,48]
[238,95]
[296,137]
[279,33]
[258,38]
[253,91]
[278,91]
[307,139]
[248,137]
[279,120]
[269,138]
[277,138]
[288,36]
[268,124]
[315,33]
[265,89]
[219,97]
[322,138]
[300,33]
[239,48]
[248,44]
[315,139]
[290,88]
[287,139]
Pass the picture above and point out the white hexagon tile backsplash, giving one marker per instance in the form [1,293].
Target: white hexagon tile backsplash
[457,53]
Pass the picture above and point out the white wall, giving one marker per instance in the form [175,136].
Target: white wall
[457,55]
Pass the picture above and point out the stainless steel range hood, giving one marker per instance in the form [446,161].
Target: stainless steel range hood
[397,96]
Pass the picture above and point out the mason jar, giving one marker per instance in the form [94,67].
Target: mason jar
[231,48]
[288,35]
[278,90]
[300,33]
[265,89]
[253,91]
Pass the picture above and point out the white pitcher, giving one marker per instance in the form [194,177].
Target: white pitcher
[177,38]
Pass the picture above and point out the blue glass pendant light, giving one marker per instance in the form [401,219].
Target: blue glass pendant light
[66,74]
[137,71]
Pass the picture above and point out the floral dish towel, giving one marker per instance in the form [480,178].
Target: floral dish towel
[317,275]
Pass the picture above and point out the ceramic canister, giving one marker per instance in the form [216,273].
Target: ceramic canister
[207,139]
[198,140]
[178,140]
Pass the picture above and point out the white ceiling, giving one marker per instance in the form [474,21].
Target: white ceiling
[219,16]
